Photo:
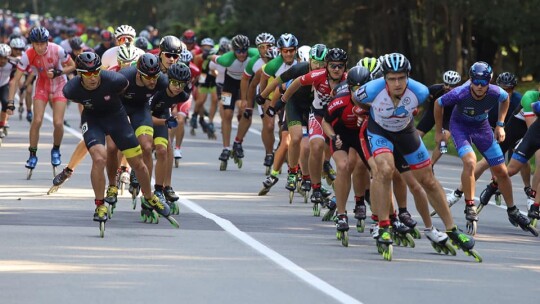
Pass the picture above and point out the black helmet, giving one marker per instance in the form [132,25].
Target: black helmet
[179,71]
[148,64]
[75,43]
[142,43]
[88,62]
[358,76]
[336,54]
[39,34]
[507,80]
[240,42]
[395,63]
[171,44]
[286,41]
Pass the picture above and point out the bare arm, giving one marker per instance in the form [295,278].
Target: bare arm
[253,85]
[295,85]
[438,112]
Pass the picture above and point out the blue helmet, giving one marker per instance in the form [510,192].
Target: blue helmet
[287,40]
[481,71]
[39,34]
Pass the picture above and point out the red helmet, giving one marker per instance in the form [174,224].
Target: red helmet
[188,36]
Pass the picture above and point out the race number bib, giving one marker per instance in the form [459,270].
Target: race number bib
[226,98]
[202,78]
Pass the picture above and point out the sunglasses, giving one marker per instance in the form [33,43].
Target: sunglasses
[480,82]
[125,63]
[178,84]
[171,55]
[338,66]
[241,51]
[90,74]
[148,77]
[288,51]
[122,40]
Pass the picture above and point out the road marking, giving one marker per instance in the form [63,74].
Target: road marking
[277,258]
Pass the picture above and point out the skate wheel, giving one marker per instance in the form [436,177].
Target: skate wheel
[192,132]
[433,213]
[306,197]
[410,240]
[532,230]
[328,215]
[239,163]
[498,199]
[110,211]
[291,196]
[404,241]
[53,189]
[476,256]
[264,191]
[397,240]
[173,222]
[436,247]
[471,227]
[134,203]
[416,234]
[102,229]
[176,162]
[223,166]
[387,254]
[267,171]
[345,239]
[29,174]
[122,186]
[338,235]
[176,208]
[379,249]
[155,218]
[479,209]
[361,226]
[450,248]
[534,222]
[316,210]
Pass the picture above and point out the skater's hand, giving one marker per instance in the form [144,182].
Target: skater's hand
[439,136]
[22,88]
[260,100]
[337,142]
[279,105]
[500,135]
[53,73]
[171,122]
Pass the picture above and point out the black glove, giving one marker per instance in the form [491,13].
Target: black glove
[22,88]
[171,122]
[260,100]
[56,73]
[10,105]
[271,111]
[279,105]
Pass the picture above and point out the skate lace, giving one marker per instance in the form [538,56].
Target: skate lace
[101,211]
[155,202]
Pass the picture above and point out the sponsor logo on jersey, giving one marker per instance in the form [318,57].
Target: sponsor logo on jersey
[335,104]
[107,97]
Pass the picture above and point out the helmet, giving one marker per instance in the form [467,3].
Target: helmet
[358,75]
[224,46]
[148,64]
[287,40]
[481,71]
[318,52]
[265,38]
[336,54]
[171,44]
[395,63]
[75,43]
[126,52]
[88,62]
[303,52]
[142,43]
[5,50]
[240,42]
[451,78]
[186,56]
[507,80]
[189,36]
[179,71]
[17,43]
[125,30]
[372,64]
[207,41]
[272,52]
[39,34]
[145,34]
[106,36]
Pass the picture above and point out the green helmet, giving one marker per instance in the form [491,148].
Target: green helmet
[318,52]
[372,64]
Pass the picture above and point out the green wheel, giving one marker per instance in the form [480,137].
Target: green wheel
[173,222]
[338,235]
[436,247]
[416,233]
[387,254]
[498,201]
[361,226]
[476,256]
[223,166]
[534,222]
[239,162]
[316,210]
[102,229]
[345,239]
[291,196]
[410,240]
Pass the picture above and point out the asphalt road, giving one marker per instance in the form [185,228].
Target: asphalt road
[233,246]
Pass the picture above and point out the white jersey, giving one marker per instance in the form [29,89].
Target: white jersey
[110,59]
[5,72]
[220,78]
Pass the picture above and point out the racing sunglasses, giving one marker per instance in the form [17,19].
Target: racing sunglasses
[480,82]
[90,74]
[241,51]
[171,55]
[148,77]
[178,84]
[338,66]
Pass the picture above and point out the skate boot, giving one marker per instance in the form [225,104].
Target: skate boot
[360,216]
[517,219]
[534,214]
[439,241]
[60,179]
[331,205]
[177,156]
[147,213]
[317,199]
[268,162]
[161,197]
[193,124]
[2,134]
[452,198]
[55,159]
[342,229]
[100,215]
[134,188]
[211,131]
[471,216]
[6,129]
[161,209]
[204,125]
[374,230]
[267,184]
[401,234]
[328,173]
[464,242]
[291,186]
[487,193]
[172,199]
[30,165]
[111,199]
[305,188]
[29,116]
[325,192]
[123,179]
[224,157]
[406,218]
[238,154]
[384,243]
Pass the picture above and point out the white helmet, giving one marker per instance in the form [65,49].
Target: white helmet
[127,52]
[17,43]
[451,78]
[5,50]
[303,52]
[265,38]
[186,57]
[125,30]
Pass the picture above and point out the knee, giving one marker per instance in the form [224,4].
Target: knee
[99,160]
[384,171]
[161,152]
[469,164]
[146,147]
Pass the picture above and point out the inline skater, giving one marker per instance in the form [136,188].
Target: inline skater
[52,64]
[392,101]
[123,34]
[7,66]
[469,125]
